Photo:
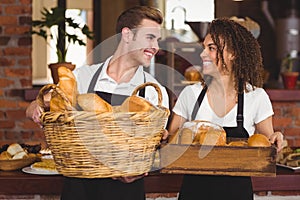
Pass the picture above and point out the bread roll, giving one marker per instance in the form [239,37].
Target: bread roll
[20,155]
[93,103]
[14,149]
[186,136]
[5,155]
[210,136]
[258,140]
[136,104]
[238,143]
[192,74]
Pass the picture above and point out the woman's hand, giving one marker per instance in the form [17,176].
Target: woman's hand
[277,138]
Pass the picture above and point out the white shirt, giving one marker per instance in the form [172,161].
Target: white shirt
[257,107]
[105,83]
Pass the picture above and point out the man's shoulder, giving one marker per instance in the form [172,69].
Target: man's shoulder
[86,70]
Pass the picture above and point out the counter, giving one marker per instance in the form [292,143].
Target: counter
[19,183]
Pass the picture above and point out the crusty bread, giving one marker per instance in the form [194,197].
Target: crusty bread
[5,155]
[238,143]
[68,86]
[67,83]
[192,74]
[136,104]
[93,103]
[14,149]
[258,140]
[20,155]
[186,136]
[210,136]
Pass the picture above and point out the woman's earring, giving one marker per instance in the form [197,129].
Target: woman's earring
[224,66]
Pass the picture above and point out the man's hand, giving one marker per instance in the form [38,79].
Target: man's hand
[130,179]
[34,112]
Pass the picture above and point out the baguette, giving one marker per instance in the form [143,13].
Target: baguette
[68,85]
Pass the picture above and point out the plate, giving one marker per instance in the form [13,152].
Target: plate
[289,167]
[30,170]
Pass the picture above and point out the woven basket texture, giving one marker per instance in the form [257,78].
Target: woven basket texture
[101,145]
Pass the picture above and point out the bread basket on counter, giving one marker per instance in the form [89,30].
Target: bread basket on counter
[99,145]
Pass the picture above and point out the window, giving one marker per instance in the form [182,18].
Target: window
[43,54]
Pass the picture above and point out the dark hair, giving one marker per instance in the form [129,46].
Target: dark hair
[247,64]
[132,17]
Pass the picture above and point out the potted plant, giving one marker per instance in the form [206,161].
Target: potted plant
[288,75]
[56,17]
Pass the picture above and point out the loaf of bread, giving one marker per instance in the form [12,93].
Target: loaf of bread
[136,104]
[93,103]
[210,136]
[68,86]
[67,83]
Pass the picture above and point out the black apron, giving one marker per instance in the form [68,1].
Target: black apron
[103,188]
[211,187]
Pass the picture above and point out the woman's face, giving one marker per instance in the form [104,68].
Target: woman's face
[209,58]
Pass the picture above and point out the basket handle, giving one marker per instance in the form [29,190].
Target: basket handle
[45,89]
[156,87]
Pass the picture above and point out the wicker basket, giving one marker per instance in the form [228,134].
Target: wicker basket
[92,145]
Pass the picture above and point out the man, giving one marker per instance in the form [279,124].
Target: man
[114,80]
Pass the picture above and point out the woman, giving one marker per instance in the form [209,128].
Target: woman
[233,98]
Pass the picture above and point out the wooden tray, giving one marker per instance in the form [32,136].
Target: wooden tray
[218,160]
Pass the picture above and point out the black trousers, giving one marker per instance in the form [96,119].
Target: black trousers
[102,189]
[198,187]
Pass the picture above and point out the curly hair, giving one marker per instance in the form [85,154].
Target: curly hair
[247,65]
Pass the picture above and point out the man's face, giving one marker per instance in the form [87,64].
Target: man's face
[143,44]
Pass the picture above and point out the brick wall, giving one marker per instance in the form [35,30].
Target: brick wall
[15,73]
[287,120]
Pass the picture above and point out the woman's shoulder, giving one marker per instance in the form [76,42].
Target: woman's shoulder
[256,92]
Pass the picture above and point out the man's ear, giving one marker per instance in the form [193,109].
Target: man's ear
[126,34]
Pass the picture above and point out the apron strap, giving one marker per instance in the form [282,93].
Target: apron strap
[95,78]
[198,102]
[240,108]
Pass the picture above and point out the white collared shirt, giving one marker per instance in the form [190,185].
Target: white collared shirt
[105,83]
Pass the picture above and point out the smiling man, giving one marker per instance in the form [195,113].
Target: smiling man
[114,80]
[138,30]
